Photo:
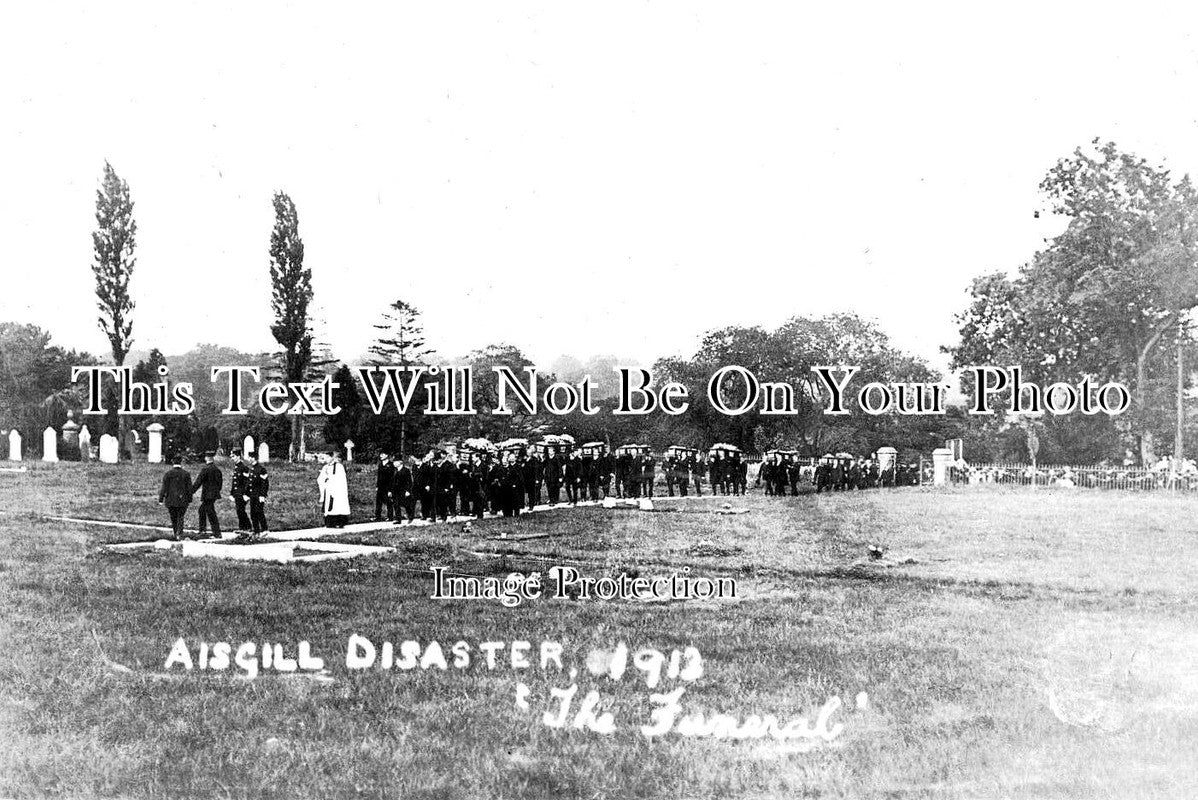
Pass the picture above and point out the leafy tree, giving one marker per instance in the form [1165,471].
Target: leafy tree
[291,294]
[1108,297]
[35,381]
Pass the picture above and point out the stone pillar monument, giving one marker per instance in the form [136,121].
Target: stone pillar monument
[14,445]
[942,459]
[154,432]
[70,429]
[49,445]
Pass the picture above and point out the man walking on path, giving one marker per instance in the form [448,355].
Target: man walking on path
[208,483]
[175,494]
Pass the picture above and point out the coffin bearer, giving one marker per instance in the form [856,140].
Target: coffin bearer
[175,494]
[208,483]
[239,490]
[648,467]
[334,492]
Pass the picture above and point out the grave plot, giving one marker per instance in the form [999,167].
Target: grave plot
[283,552]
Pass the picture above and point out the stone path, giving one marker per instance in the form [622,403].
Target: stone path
[303,544]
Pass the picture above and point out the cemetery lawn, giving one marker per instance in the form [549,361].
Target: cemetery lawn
[1010,643]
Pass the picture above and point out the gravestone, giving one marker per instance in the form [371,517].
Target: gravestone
[70,429]
[108,449]
[85,444]
[264,452]
[133,445]
[247,446]
[349,451]
[14,445]
[154,432]
[942,459]
[49,445]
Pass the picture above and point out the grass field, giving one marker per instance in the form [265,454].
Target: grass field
[1011,643]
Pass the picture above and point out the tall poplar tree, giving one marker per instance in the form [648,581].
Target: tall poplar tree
[291,293]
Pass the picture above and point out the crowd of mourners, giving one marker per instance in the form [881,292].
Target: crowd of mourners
[472,482]
[441,485]
[831,474]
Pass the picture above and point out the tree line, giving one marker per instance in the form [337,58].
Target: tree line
[1110,297]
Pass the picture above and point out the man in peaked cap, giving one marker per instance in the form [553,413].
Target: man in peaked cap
[239,489]
[259,489]
[208,483]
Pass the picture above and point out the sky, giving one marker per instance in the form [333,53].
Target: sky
[608,178]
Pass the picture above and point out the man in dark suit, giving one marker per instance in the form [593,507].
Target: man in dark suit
[208,483]
[383,495]
[426,487]
[239,490]
[697,467]
[447,491]
[604,466]
[175,494]
[572,472]
[551,470]
[259,489]
[403,492]
[532,471]
[511,486]
[648,474]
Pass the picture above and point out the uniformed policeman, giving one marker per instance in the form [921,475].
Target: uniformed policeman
[239,490]
[259,490]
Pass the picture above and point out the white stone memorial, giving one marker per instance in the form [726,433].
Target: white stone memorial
[14,445]
[247,447]
[942,459]
[85,444]
[349,450]
[264,452]
[109,449]
[70,429]
[154,432]
[49,445]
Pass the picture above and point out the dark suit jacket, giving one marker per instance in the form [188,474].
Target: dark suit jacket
[176,488]
[208,483]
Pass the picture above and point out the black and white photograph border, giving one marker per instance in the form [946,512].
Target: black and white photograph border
[638,399]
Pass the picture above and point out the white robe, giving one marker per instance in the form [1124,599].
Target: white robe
[334,490]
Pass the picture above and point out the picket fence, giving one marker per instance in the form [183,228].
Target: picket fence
[1069,476]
